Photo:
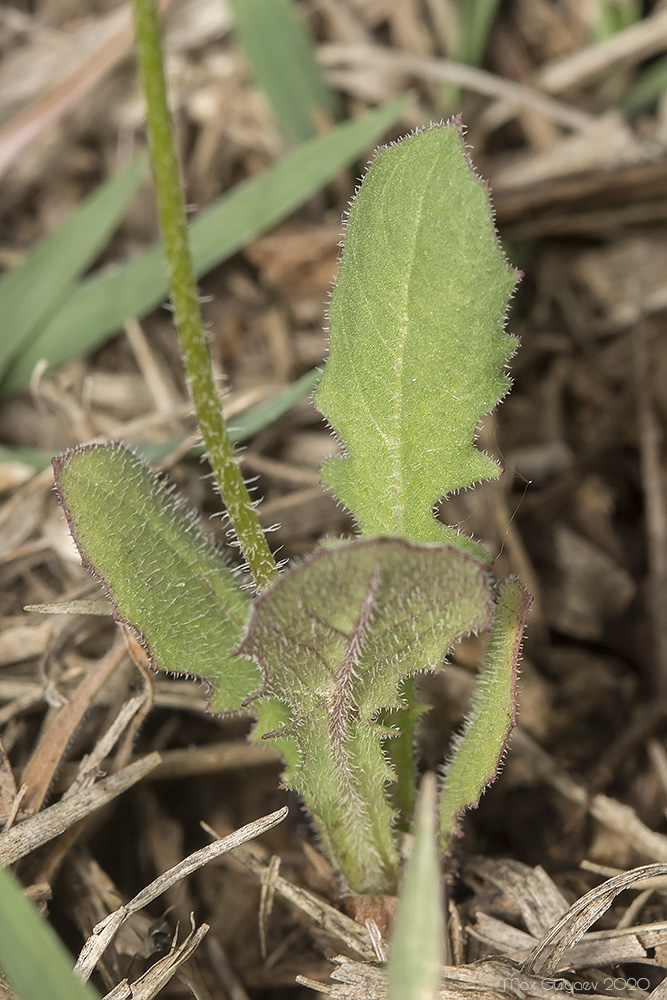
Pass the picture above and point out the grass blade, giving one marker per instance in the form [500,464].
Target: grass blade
[31,956]
[246,424]
[474,20]
[416,953]
[102,303]
[38,458]
[287,72]
[475,27]
[33,290]
[647,89]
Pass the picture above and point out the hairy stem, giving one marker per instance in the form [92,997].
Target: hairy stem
[187,314]
[346,795]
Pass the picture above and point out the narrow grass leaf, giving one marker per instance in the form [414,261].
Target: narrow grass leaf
[38,458]
[100,305]
[246,424]
[31,956]
[164,578]
[479,749]
[649,87]
[335,638]
[281,56]
[262,415]
[613,16]
[417,342]
[417,944]
[34,290]
[475,23]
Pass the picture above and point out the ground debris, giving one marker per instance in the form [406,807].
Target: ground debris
[107,773]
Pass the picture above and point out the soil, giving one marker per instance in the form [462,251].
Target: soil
[578,173]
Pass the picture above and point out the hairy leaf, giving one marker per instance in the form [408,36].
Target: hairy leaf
[334,638]
[479,749]
[274,716]
[416,954]
[418,347]
[163,576]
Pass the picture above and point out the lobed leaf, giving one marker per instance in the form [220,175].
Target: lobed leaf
[334,638]
[417,944]
[418,348]
[164,577]
[479,748]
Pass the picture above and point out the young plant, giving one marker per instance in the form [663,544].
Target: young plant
[326,652]
[324,655]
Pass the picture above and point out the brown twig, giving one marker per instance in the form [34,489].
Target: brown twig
[656,511]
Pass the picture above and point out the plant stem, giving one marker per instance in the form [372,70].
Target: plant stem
[187,313]
[349,806]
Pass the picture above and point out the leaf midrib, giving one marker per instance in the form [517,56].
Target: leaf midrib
[399,476]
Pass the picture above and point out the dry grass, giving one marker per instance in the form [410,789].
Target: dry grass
[581,198]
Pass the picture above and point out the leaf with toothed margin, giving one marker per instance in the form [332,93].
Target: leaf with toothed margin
[479,749]
[334,638]
[163,576]
[417,343]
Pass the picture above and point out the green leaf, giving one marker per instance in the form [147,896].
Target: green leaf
[164,578]
[614,16]
[334,638]
[38,458]
[274,716]
[31,292]
[261,415]
[280,53]
[648,87]
[417,944]
[418,349]
[99,306]
[245,425]
[31,956]
[470,28]
[400,752]
[479,748]
[475,23]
